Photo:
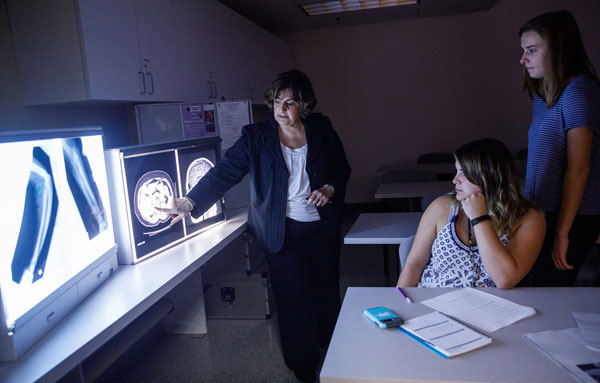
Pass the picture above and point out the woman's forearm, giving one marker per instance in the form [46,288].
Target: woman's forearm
[498,262]
[573,187]
[410,275]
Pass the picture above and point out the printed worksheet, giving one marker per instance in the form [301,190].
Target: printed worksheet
[483,310]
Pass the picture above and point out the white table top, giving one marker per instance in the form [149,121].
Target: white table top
[420,189]
[382,228]
[438,168]
[115,304]
[361,352]
[413,189]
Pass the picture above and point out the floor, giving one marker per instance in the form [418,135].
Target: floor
[236,350]
[240,350]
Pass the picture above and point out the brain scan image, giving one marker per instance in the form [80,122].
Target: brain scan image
[197,169]
[153,189]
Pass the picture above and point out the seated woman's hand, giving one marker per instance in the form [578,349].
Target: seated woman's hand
[177,209]
[474,205]
[319,197]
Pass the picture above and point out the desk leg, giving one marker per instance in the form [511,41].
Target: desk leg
[387,250]
[386,265]
[396,251]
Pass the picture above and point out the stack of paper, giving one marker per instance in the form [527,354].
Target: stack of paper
[567,349]
[589,326]
[484,310]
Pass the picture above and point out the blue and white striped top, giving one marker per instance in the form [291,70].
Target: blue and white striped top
[578,106]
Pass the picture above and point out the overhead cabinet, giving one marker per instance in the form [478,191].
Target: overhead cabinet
[225,56]
[80,50]
[141,50]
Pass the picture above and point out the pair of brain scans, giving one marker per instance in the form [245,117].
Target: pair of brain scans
[153,181]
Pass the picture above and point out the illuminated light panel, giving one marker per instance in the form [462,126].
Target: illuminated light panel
[338,6]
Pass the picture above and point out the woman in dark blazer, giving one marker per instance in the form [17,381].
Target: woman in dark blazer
[298,172]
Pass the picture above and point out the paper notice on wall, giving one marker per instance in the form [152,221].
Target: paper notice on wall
[232,116]
[192,121]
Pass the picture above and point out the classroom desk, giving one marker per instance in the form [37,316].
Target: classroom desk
[439,168]
[420,189]
[361,352]
[413,189]
[115,304]
[383,229]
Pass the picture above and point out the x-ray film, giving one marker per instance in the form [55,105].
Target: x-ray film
[150,184]
[37,224]
[55,224]
[84,188]
[194,163]
[195,172]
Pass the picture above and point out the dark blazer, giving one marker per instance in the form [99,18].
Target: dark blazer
[258,153]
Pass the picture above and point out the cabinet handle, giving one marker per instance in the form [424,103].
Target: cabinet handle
[250,92]
[151,78]
[212,89]
[143,81]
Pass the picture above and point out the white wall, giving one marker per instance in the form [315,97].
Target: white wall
[396,90]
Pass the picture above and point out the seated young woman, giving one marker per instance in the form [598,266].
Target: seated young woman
[485,234]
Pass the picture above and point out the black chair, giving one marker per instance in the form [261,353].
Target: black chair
[522,154]
[435,158]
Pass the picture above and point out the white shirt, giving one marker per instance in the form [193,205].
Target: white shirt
[298,185]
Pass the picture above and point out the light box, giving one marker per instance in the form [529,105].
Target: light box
[57,236]
[144,177]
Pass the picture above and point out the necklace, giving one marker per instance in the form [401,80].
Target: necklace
[470,238]
[471,254]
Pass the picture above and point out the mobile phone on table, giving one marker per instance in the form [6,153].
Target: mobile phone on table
[383,317]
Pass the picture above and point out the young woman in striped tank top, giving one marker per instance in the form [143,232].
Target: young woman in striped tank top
[486,234]
[563,164]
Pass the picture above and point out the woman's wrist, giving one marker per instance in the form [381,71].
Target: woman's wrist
[481,218]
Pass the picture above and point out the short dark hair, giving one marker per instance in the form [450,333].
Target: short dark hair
[489,164]
[300,86]
[566,55]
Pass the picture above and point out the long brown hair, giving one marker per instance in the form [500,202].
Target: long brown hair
[488,164]
[566,55]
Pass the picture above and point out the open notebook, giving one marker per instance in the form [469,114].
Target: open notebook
[443,334]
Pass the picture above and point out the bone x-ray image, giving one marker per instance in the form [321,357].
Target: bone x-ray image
[151,182]
[83,187]
[37,224]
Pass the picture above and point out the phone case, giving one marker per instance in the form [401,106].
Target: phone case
[383,317]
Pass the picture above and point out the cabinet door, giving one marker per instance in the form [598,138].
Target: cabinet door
[111,50]
[198,43]
[158,46]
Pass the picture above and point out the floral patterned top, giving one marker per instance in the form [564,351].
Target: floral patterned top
[451,264]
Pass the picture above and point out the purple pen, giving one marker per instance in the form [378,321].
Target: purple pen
[404,295]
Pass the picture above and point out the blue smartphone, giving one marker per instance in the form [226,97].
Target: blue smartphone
[383,317]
